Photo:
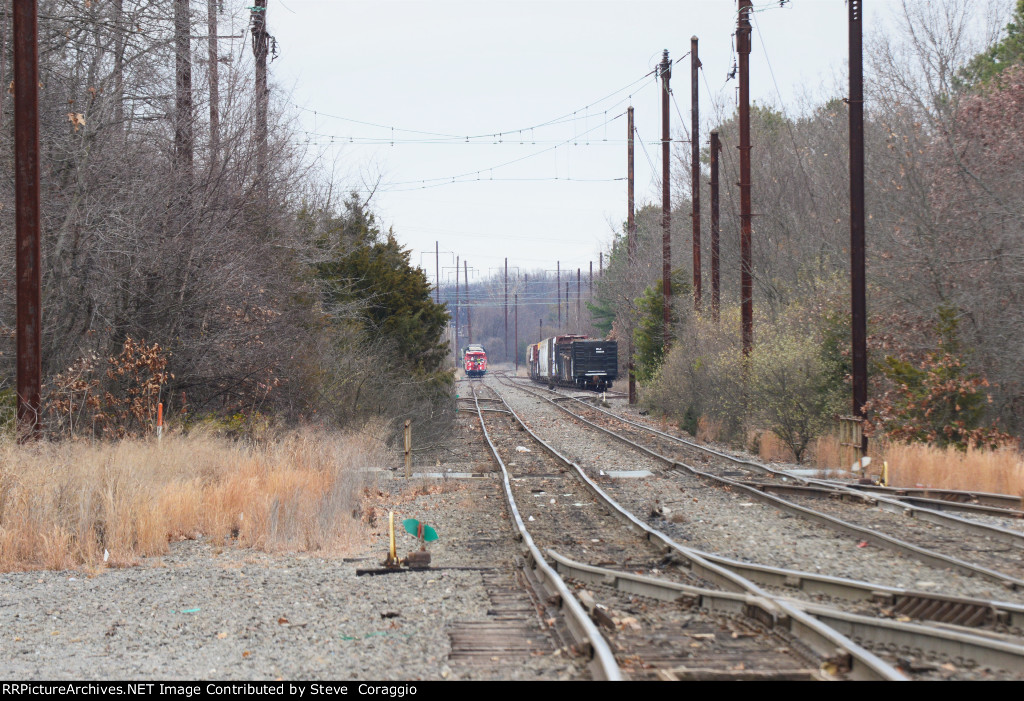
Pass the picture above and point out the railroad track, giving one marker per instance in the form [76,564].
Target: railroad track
[994,553]
[746,635]
[1000,621]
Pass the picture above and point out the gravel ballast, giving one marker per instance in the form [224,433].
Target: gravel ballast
[208,611]
[730,524]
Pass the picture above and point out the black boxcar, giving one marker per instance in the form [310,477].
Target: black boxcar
[575,361]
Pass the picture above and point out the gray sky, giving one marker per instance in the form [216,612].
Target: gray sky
[458,69]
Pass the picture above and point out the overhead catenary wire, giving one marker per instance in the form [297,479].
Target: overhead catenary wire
[568,117]
[643,147]
[792,136]
[475,174]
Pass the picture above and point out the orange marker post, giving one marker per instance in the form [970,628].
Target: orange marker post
[159,420]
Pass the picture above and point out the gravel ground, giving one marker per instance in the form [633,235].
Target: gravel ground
[718,521]
[210,612]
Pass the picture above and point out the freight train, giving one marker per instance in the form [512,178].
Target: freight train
[475,361]
[574,361]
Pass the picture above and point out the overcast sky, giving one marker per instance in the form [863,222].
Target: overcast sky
[429,74]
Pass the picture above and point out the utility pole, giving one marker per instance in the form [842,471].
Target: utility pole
[29,315]
[260,48]
[665,69]
[590,284]
[516,350]
[695,169]
[437,271]
[630,242]
[746,262]
[558,290]
[456,311]
[579,296]
[567,323]
[469,310]
[183,134]
[506,309]
[600,262]
[211,56]
[716,300]
[858,287]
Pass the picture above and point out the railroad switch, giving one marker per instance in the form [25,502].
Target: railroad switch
[417,559]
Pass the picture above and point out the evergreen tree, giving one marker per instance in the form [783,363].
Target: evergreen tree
[1006,52]
[649,335]
[395,298]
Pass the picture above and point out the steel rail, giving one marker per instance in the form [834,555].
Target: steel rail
[819,637]
[582,628]
[923,554]
[818,584]
[1006,502]
[957,645]
[890,504]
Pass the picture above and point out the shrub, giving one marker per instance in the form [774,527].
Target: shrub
[936,398]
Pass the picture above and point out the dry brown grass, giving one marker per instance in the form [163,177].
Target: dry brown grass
[63,504]
[911,465]
[826,453]
[769,446]
[709,430]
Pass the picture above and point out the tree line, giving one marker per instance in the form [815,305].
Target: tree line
[945,225]
[191,254]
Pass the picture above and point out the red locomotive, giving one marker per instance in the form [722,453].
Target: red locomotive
[475,361]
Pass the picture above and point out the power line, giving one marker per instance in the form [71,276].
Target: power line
[792,136]
[334,139]
[643,147]
[568,117]
[451,179]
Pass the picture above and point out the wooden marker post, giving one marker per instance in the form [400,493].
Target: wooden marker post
[408,448]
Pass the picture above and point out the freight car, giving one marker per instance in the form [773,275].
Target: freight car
[574,361]
[475,361]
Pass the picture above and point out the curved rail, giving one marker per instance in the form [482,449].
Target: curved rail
[895,505]
[932,558]
[819,637]
[923,605]
[956,645]
[583,629]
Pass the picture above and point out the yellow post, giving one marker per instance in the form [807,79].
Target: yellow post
[392,555]
[408,448]
[885,473]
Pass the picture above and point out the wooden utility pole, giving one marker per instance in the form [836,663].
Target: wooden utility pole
[716,146]
[183,118]
[579,296]
[437,271]
[212,72]
[630,242]
[456,311]
[695,169]
[746,261]
[567,323]
[506,309]
[590,283]
[29,312]
[858,287]
[260,49]
[469,311]
[558,291]
[665,69]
